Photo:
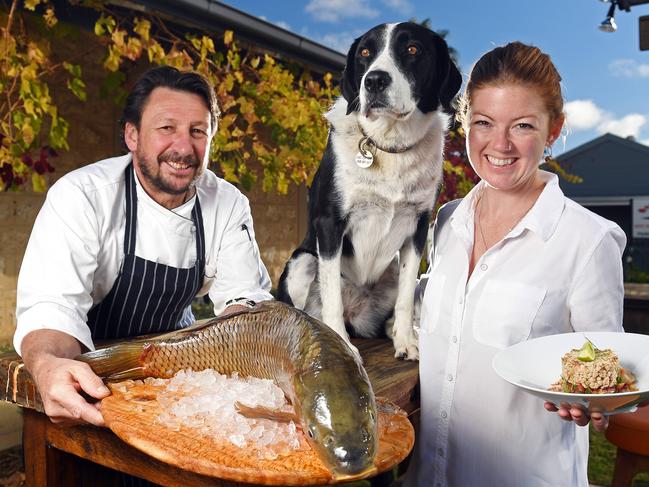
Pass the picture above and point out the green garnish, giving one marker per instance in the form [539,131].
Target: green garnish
[587,352]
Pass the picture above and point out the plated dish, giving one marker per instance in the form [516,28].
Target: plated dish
[536,365]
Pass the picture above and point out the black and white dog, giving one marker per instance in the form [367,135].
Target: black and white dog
[374,191]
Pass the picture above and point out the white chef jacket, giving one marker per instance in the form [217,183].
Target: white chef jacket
[76,247]
[558,270]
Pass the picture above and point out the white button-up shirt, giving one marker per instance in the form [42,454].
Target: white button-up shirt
[76,247]
[558,270]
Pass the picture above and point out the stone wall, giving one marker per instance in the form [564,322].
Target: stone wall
[279,220]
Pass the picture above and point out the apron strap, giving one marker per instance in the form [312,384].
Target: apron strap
[131,212]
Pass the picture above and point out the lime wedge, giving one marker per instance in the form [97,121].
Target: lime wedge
[587,352]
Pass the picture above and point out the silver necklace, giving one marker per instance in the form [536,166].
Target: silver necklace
[479,218]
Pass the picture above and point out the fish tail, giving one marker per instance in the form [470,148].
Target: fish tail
[117,362]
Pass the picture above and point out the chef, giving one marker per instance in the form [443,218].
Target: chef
[121,247]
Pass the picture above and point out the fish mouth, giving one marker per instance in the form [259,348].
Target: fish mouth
[347,477]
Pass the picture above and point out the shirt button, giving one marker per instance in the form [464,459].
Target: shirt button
[454,339]
[444,414]
[449,377]
[461,300]
[484,267]
[440,452]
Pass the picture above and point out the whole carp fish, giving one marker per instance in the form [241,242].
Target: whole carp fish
[324,380]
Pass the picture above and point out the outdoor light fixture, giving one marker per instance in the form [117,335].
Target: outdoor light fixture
[609,25]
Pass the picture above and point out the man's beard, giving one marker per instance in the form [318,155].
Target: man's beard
[157,181]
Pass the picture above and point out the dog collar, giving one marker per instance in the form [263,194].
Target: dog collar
[368,144]
[367,150]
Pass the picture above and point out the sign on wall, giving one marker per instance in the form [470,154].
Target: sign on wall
[640,218]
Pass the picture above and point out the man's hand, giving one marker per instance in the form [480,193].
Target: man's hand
[60,379]
[579,415]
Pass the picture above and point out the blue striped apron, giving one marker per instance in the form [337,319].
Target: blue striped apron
[147,297]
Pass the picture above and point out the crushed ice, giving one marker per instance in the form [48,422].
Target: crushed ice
[205,401]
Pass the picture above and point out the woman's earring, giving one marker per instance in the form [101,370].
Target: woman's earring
[547,153]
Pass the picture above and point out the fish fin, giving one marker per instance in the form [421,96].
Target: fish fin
[117,362]
[384,405]
[256,412]
[197,325]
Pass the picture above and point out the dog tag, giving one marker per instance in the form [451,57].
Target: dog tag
[364,160]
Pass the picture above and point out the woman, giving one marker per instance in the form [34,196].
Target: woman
[514,260]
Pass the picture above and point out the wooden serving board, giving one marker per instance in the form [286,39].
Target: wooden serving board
[130,412]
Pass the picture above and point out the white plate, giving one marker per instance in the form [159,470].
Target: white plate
[536,364]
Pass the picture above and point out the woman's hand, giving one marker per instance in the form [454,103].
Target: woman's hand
[579,415]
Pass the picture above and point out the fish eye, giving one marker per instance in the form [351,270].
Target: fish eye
[365,52]
[412,50]
[310,433]
[329,441]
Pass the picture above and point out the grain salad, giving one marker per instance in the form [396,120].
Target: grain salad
[589,370]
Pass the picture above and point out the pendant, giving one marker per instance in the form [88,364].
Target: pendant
[365,155]
[364,160]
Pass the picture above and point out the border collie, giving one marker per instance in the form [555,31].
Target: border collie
[372,196]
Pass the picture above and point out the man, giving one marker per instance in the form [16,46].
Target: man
[122,246]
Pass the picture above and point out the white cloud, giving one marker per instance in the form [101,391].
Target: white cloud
[586,115]
[334,10]
[625,126]
[339,41]
[628,68]
[403,6]
[283,25]
[279,23]
[583,114]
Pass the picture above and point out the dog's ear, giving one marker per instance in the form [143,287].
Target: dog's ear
[450,84]
[349,85]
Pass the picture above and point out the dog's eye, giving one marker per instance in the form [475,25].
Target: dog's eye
[365,52]
[412,50]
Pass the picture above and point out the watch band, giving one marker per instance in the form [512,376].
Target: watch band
[249,303]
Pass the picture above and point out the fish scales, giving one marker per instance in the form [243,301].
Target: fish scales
[324,380]
[255,347]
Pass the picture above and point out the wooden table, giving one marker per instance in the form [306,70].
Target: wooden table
[75,456]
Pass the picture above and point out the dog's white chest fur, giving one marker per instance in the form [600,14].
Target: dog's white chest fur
[382,202]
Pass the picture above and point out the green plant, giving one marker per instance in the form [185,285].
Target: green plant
[633,274]
[31,129]
[601,462]
[271,110]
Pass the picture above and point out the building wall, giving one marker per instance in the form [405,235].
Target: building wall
[94,135]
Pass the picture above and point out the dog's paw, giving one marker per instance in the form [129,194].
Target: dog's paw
[406,346]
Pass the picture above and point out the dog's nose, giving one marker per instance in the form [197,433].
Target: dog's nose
[377,81]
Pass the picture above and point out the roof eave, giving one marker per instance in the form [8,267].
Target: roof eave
[212,15]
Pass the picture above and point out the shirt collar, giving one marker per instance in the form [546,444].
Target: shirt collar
[542,218]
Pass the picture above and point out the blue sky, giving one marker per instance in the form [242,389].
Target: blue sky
[605,75]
